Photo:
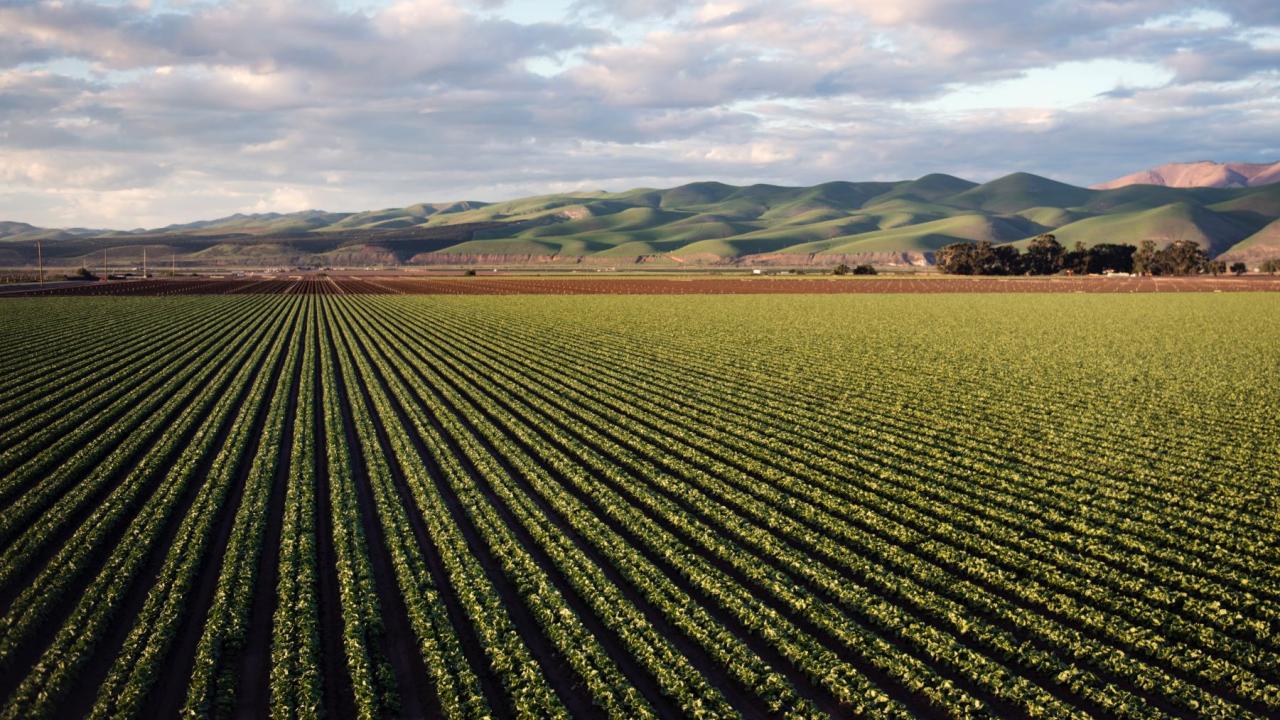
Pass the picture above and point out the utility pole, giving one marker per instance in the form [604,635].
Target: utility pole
[104,264]
[173,264]
[39,262]
[144,263]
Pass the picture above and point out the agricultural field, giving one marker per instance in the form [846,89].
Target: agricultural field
[343,501]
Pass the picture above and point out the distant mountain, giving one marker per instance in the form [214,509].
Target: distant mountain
[21,232]
[707,223]
[1201,174]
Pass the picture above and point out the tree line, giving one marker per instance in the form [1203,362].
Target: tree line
[1046,256]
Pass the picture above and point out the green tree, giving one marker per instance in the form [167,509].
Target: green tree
[991,259]
[1008,261]
[1076,260]
[1239,268]
[1045,255]
[957,259]
[1110,256]
[983,258]
[985,261]
[1144,258]
[1184,257]
[841,269]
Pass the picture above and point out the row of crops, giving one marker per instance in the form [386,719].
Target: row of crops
[631,507]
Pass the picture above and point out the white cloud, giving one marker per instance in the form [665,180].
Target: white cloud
[125,114]
[283,200]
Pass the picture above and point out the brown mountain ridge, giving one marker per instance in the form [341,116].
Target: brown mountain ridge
[1201,174]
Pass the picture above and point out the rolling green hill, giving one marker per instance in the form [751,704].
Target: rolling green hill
[698,223]
[1262,245]
[1020,191]
[1165,224]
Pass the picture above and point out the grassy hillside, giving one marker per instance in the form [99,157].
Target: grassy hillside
[1020,191]
[1165,224]
[1262,245]
[930,236]
[703,222]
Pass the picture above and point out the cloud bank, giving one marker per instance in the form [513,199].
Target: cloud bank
[128,114]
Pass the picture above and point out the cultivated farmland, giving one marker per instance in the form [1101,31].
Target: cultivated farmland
[352,504]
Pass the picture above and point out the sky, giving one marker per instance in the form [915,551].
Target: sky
[138,114]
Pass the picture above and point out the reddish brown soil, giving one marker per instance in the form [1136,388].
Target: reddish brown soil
[525,285]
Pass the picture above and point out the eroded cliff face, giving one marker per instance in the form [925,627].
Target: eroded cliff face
[899,259]
[896,259]
[490,259]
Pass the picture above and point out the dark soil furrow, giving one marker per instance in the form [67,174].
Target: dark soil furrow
[83,693]
[167,699]
[339,698]
[559,673]
[793,673]
[396,642]
[48,550]
[637,675]
[463,628]
[890,685]
[253,670]
[115,360]
[743,699]
[1045,680]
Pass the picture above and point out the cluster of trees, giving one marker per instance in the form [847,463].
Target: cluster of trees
[1046,256]
[1181,257]
[863,269]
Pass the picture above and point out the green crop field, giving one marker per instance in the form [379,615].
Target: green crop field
[1016,505]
